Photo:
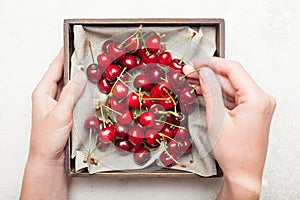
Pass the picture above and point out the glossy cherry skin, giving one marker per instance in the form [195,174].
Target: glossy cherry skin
[153,43]
[177,64]
[104,60]
[151,138]
[146,102]
[116,104]
[94,73]
[156,74]
[158,126]
[156,108]
[162,88]
[125,118]
[141,52]
[129,61]
[187,95]
[144,67]
[106,135]
[153,93]
[132,43]
[104,85]
[187,108]
[136,135]
[142,81]
[184,145]
[168,103]
[177,79]
[182,119]
[105,45]
[151,59]
[120,90]
[165,58]
[93,123]
[172,147]
[141,156]
[133,100]
[167,160]
[112,72]
[181,132]
[168,131]
[147,119]
[123,145]
[116,51]
[121,131]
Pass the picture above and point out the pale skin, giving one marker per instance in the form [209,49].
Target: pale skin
[246,128]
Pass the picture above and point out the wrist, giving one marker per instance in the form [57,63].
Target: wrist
[240,188]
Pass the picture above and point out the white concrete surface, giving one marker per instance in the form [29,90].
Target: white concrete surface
[262,34]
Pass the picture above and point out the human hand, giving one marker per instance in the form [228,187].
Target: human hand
[52,114]
[44,176]
[238,124]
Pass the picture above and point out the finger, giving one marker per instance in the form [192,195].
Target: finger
[237,76]
[53,74]
[71,93]
[212,94]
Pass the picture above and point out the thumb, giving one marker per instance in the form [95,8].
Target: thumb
[71,93]
[215,109]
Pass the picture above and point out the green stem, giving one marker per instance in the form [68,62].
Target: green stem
[181,127]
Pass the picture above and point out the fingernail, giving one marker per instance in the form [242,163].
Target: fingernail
[80,77]
[206,73]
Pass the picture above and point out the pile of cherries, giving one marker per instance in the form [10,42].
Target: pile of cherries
[148,99]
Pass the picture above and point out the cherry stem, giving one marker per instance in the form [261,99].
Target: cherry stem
[91,51]
[112,88]
[165,150]
[144,43]
[196,70]
[136,31]
[163,135]
[169,112]
[140,100]
[188,46]
[192,157]
[181,127]
[175,110]
[156,99]
[109,109]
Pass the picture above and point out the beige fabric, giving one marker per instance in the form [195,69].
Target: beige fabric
[203,44]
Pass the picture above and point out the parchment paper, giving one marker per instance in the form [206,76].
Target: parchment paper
[203,44]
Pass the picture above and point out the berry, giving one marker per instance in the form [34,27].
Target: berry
[153,43]
[125,118]
[116,104]
[106,135]
[104,85]
[187,95]
[133,100]
[104,60]
[141,156]
[112,72]
[120,90]
[116,51]
[129,61]
[123,145]
[94,73]
[177,64]
[143,82]
[136,136]
[156,74]
[147,119]
[93,123]
[165,58]
[151,138]
[168,160]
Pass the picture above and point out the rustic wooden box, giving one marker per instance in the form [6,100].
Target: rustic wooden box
[219,24]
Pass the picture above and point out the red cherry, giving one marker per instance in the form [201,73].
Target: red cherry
[104,60]
[153,43]
[165,58]
[116,51]
[176,79]
[177,64]
[133,100]
[94,73]
[151,59]
[125,118]
[142,81]
[104,85]
[151,138]
[93,123]
[182,120]
[187,108]
[120,90]
[112,72]
[136,136]
[167,160]
[187,95]
[153,93]
[168,103]
[129,61]
[184,145]
[156,74]
[146,102]
[105,45]
[116,104]
[141,156]
[155,108]
[141,51]
[147,119]
[144,67]
[168,131]
[135,148]
[123,145]
[180,132]
[132,43]
[172,147]
[106,135]
[120,131]
[158,126]
[161,87]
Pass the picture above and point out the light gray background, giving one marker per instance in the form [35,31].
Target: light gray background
[261,34]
